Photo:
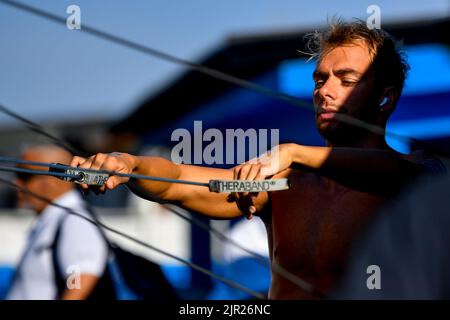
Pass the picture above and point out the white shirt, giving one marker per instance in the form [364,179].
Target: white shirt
[80,248]
[249,234]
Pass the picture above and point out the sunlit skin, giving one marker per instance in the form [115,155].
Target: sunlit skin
[334,191]
[312,235]
[345,83]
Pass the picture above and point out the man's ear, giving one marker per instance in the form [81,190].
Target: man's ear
[388,99]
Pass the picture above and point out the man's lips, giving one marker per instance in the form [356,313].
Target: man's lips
[328,115]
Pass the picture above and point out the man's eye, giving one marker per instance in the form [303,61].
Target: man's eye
[349,83]
[318,83]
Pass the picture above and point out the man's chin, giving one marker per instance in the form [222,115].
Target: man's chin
[328,129]
[334,132]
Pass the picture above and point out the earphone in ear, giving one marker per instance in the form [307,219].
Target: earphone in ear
[384,101]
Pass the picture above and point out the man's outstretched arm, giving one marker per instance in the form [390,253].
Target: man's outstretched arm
[196,198]
[370,170]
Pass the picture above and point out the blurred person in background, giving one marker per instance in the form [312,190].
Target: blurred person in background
[65,256]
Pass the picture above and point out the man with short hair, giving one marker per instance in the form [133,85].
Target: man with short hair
[71,266]
[335,190]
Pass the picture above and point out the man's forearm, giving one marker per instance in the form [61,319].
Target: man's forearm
[193,197]
[307,157]
[156,167]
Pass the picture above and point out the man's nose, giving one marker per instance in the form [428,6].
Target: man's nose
[328,90]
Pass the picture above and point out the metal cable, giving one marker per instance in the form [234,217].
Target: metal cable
[304,285]
[111,173]
[38,129]
[209,71]
[100,224]
[277,268]
[38,172]
[218,75]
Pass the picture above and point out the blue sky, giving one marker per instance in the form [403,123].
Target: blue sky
[49,72]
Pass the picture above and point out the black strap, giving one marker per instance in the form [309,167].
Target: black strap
[94,217]
[145,278]
[142,276]
[104,290]
[59,278]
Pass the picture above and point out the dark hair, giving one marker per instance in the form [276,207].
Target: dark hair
[389,60]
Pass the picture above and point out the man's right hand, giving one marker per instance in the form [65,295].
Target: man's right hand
[116,161]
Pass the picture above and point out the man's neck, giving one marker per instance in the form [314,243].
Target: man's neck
[366,142]
[53,198]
